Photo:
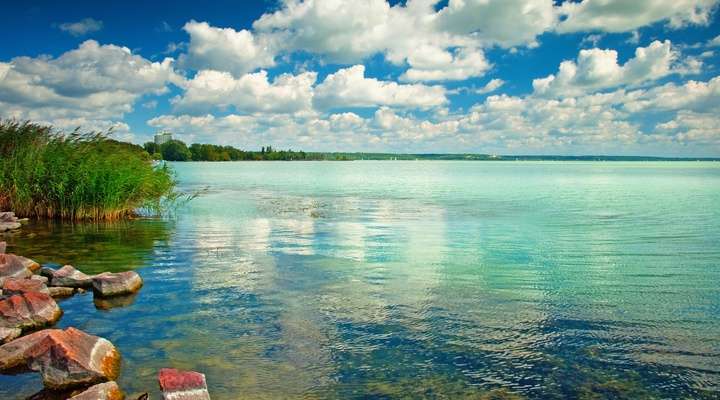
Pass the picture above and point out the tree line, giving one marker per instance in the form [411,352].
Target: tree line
[177,150]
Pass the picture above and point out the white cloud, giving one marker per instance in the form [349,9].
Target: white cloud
[226,49]
[247,94]
[491,86]
[505,22]
[624,16]
[81,28]
[349,87]
[714,42]
[692,127]
[598,69]
[93,83]
[444,45]
[435,64]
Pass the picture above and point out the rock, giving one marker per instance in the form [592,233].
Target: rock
[3,246]
[65,359]
[9,226]
[61,291]
[47,271]
[107,303]
[8,222]
[8,334]
[70,277]
[102,391]
[112,284]
[28,311]
[18,286]
[29,264]
[40,278]
[12,266]
[182,385]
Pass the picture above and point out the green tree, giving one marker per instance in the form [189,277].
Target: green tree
[175,150]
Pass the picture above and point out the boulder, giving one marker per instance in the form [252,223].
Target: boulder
[70,277]
[108,303]
[65,358]
[40,278]
[12,266]
[113,284]
[29,264]
[8,334]
[61,291]
[18,286]
[8,221]
[102,391]
[182,385]
[28,310]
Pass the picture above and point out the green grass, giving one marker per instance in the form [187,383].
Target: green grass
[46,173]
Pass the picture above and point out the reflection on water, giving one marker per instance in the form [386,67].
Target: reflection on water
[415,280]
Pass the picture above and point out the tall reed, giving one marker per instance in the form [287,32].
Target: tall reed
[46,173]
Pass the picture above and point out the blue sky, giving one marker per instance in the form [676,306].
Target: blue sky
[488,76]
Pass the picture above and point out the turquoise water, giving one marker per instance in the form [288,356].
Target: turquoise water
[415,280]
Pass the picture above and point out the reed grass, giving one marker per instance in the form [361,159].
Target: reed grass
[45,173]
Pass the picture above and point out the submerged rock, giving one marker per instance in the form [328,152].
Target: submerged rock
[8,221]
[70,277]
[18,286]
[12,266]
[182,385]
[8,334]
[61,291]
[28,310]
[102,391]
[113,284]
[107,303]
[65,359]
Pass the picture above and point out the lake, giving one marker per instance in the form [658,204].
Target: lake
[413,279]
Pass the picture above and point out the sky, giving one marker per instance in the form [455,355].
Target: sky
[614,77]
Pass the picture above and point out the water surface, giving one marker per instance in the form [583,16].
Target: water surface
[414,280]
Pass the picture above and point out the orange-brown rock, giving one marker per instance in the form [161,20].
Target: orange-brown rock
[65,359]
[101,391]
[70,277]
[8,334]
[12,266]
[28,311]
[182,385]
[19,286]
[114,284]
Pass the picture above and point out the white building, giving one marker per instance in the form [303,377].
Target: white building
[162,137]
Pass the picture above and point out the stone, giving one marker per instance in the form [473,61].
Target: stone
[9,226]
[18,286]
[12,266]
[61,291]
[46,271]
[70,277]
[113,284]
[28,311]
[7,216]
[3,246]
[65,358]
[102,391]
[29,264]
[182,385]
[8,334]
[108,303]
[40,278]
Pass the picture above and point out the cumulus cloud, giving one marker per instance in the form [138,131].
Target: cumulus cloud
[95,82]
[504,22]
[226,49]
[624,16]
[491,86]
[349,87]
[435,64]
[247,94]
[598,69]
[81,28]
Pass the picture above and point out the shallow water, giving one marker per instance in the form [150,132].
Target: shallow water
[414,280]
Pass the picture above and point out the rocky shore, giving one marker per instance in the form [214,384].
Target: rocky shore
[72,364]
